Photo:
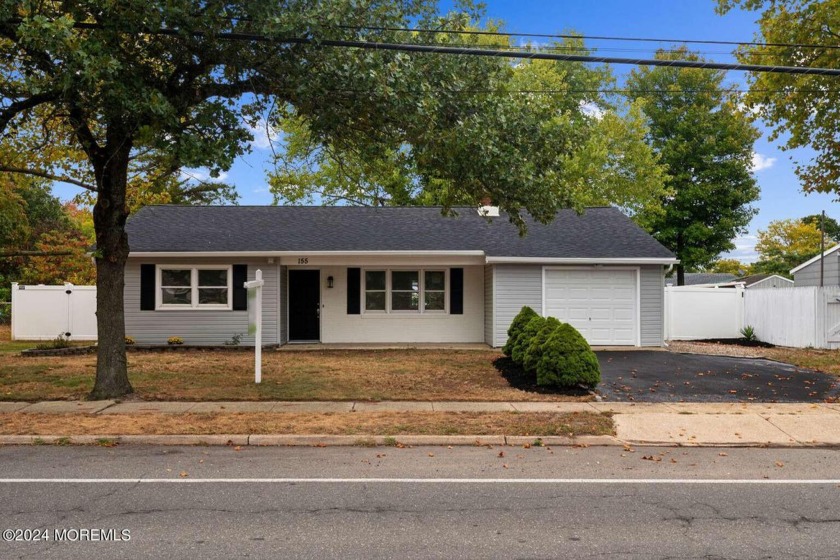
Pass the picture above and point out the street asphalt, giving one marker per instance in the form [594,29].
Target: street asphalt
[481,502]
[649,376]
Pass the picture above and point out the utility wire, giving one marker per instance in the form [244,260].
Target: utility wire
[464,51]
[589,37]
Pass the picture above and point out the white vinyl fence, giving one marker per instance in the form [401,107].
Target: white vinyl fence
[45,312]
[693,313]
[795,317]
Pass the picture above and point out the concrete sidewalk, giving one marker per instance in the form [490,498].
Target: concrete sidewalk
[687,424]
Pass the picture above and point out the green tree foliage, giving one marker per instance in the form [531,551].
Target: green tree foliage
[829,224]
[516,327]
[786,244]
[801,110]
[707,143]
[532,132]
[567,360]
[730,266]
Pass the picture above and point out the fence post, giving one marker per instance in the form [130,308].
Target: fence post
[12,310]
[741,306]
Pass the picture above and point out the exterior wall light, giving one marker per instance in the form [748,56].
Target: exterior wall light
[329,282]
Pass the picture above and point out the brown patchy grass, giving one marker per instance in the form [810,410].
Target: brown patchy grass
[827,361]
[367,375]
[368,423]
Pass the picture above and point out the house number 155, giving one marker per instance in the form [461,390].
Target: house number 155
[303,260]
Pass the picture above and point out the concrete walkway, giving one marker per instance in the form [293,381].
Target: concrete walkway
[687,424]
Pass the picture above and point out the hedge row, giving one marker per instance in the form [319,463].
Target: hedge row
[556,351]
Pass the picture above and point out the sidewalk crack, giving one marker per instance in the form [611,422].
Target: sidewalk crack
[781,430]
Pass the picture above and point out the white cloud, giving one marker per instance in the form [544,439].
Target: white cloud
[761,162]
[264,135]
[744,249]
[591,109]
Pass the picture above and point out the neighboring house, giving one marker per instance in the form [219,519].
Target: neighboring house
[702,278]
[758,281]
[388,275]
[808,273]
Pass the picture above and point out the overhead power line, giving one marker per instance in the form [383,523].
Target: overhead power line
[470,51]
[588,37]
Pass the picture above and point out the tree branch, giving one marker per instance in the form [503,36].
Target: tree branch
[18,107]
[45,175]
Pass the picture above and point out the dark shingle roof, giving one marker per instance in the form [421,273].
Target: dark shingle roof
[597,233]
[695,278]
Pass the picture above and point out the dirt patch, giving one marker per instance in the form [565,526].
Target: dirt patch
[369,423]
[738,342]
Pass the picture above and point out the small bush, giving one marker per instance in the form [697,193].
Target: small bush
[60,341]
[174,340]
[523,339]
[748,333]
[534,349]
[567,360]
[235,340]
[516,326]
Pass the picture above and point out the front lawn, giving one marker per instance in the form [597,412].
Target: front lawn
[365,375]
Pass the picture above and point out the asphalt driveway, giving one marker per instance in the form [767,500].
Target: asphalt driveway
[656,376]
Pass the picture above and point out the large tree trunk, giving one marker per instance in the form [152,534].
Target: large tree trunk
[109,216]
[680,275]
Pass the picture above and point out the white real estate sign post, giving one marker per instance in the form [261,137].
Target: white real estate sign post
[254,288]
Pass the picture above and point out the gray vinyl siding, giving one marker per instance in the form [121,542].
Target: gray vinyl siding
[652,305]
[515,287]
[198,327]
[488,304]
[810,275]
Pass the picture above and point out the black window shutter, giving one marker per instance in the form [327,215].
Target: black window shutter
[354,286]
[240,294]
[147,287]
[456,287]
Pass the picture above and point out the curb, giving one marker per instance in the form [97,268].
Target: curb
[265,440]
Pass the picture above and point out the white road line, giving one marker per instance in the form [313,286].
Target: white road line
[413,481]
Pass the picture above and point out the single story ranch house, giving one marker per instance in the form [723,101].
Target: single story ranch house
[388,275]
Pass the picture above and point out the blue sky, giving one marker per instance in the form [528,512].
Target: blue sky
[781,196]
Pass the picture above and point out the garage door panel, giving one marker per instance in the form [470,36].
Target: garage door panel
[601,304]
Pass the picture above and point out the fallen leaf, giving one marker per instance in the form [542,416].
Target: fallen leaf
[238,448]
[431,454]
[504,466]
[527,446]
[780,464]
[184,474]
[501,453]
[723,454]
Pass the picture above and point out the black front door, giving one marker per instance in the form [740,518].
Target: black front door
[304,305]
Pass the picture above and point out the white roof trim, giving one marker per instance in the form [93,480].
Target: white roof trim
[547,260]
[815,259]
[300,253]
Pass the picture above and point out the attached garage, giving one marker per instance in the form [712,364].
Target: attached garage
[602,303]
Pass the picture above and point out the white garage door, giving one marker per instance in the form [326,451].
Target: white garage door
[601,303]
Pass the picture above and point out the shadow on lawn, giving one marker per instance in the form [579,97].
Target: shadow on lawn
[525,381]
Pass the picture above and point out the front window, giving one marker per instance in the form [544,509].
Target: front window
[418,291]
[375,290]
[405,290]
[194,287]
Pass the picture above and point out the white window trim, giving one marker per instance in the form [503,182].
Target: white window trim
[194,305]
[422,292]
